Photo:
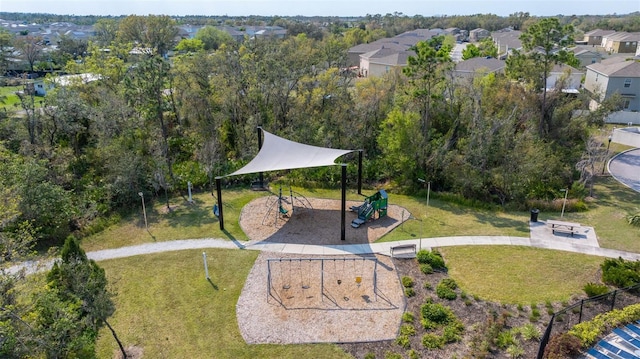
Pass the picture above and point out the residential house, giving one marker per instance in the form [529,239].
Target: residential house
[478,34]
[506,40]
[41,86]
[615,75]
[622,42]
[594,37]
[586,55]
[565,76]
[401,42]
[478,66]
[383,60]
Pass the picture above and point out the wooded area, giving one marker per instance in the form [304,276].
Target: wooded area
[152,123]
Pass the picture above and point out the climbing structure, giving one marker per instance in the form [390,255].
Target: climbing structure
[372,205]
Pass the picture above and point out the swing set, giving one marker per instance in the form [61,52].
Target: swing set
[288,277]
[276,205]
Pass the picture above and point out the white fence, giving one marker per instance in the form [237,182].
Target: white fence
[624,117]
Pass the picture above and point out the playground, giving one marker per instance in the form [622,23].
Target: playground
[317,222]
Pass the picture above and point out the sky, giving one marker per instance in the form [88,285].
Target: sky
[320,7]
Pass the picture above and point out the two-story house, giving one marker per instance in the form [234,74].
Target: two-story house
[615,75]
[594,37]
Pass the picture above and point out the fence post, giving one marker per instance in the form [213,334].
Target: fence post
[545,338]
[581,305]
[613,300]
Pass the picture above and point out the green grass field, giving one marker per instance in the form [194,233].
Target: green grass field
[165,306]
[10,99]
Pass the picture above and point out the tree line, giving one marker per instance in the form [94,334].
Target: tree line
[151,123]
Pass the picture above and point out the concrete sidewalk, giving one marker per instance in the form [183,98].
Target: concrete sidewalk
[584,242]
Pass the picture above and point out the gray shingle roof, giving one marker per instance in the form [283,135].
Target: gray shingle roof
[477,63]
[617,68]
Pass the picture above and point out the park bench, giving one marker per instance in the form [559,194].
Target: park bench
[404,250]
[563,227]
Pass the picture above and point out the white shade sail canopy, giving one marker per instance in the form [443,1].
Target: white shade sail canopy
[278,153]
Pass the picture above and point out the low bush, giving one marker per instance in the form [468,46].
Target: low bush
[620,273]
[432,258]
[444,291]
[412,354]
[589,332]
[407,317]
[392,355]
[505,339]
[407,329]
[432,341]
[409,292]
[437,313]
[450,283]
[634,219]
[403,341]
[562,346]
[452,333]
[595,289]
[529,332]
[426,268]
[407,282]
[370,355]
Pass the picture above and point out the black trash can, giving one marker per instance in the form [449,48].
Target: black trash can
[534,215]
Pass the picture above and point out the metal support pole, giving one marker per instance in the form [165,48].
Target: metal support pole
[189,188]
[360,172]
[206,267]
[564,203]
[375,279]
[144,211]
[322,280]
[260,175]
[219,193]
[604,165]
[343,204]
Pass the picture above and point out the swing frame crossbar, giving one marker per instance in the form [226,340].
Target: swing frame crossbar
[322,261]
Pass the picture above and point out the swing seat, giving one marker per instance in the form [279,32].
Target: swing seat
[283,210]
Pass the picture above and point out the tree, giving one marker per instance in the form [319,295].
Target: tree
[213,38]
[156,32]
[30,48]
[105,31]
[190,45]
[540,41]
[6,41]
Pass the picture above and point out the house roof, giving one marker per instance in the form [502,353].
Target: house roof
[579,51]
[599,32]
[379,44]
[559,68]
[478,63]
[386,56]
[617,68]
[507,39]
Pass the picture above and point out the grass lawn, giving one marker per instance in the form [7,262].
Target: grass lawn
[165,305]
[513,274]
[10,97]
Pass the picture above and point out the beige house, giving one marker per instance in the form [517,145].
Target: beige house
[478,34]
[622,43]
[383,60]
[594,37]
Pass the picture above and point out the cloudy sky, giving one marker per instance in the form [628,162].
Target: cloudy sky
[317,7]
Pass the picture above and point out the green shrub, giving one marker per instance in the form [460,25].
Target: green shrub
[426,268]
[595,289]
[620,273]
[427,285]
[392,355]
[505,339]
[468,302]
[403,341]
[407,329]
[589,332]
[370,355]
[432,341]
[407,317]
[529,332]
[412,354]
[432,258]
[445,292]
[407,282]
[437,313]
[449,283]
[634,219]
[409,292]
[515,351]
[453,332]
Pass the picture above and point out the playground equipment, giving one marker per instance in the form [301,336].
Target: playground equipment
[277,205]
[372,204]
[344,283]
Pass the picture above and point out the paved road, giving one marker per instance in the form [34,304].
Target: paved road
[625,167]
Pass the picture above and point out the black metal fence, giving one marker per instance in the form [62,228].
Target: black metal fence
[587,309]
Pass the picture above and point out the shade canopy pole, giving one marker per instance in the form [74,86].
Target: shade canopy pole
[343,205]
[360,172]
[219,192]
[260,175]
